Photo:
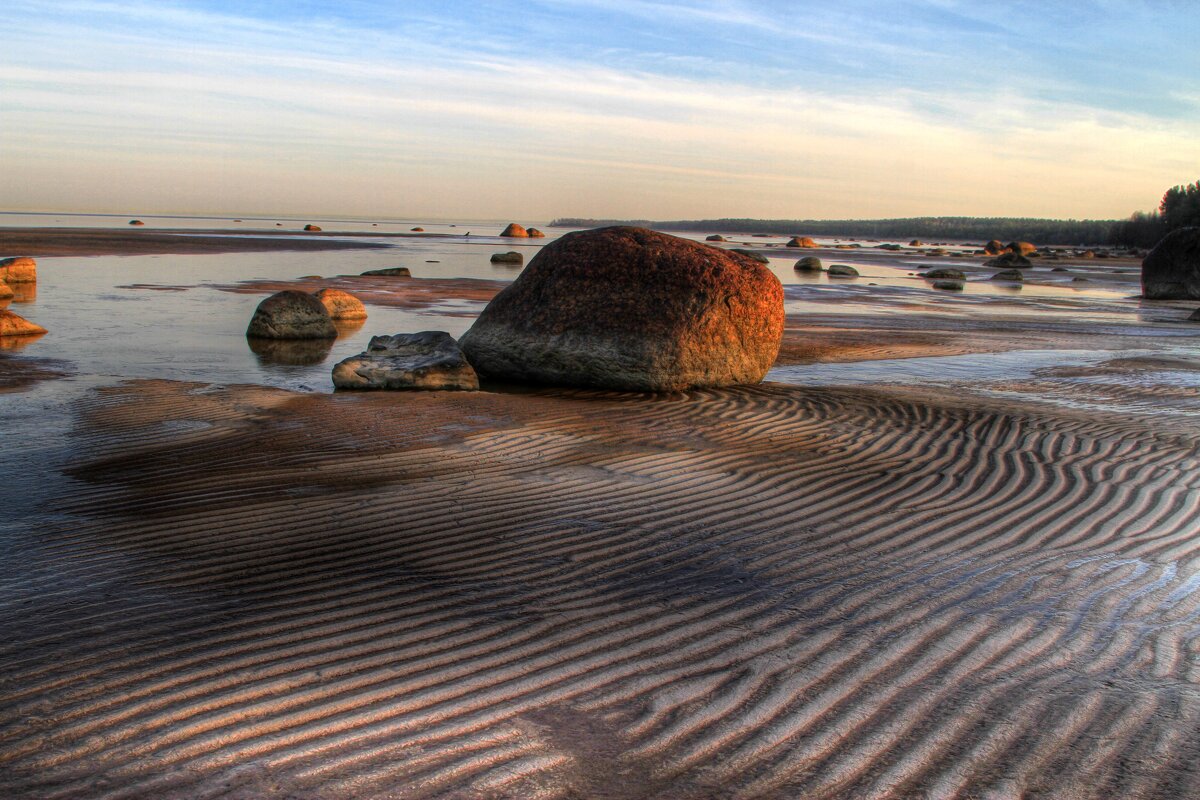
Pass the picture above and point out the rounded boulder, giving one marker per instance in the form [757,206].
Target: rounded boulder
[341,305]
[291,315]
[1172,269]
[631,309]
[516,231]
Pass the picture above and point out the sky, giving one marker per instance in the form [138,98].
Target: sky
[631,109]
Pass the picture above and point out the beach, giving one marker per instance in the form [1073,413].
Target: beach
[946,549]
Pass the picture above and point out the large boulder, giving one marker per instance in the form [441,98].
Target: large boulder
[21,269]
[1172,269]
[801,241]
[341,305]
[291,315]
[425,360]
[12,325]
[631,309]
[809,264]
[516,231]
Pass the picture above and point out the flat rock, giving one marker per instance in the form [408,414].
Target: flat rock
[341,305]
[291,315]
[389,272]
[631,309]
[12,325]
[427,360]
[21,269]
[511,257]
[417,230]
[809,264]
[136,222]
[516,231]
[949,286]
[842,271]
[1172,269]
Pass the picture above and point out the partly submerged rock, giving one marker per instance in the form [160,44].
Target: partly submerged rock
[916,243]
[631,309]
[754,254]
[534,233]
[889,246]
[136,222]
[291,315]
[949,286]
[425,360]
[842,271]
[311,227]
[1172,269]
[12,325]
[516,231]
[417,230]
[21,269]
[994,248]
[946,274]
[1009,260]
[716,237]
[341,305]
[389,272]
[1021,248]
[511,257]
[801,241]
[809,264]
[1009,275]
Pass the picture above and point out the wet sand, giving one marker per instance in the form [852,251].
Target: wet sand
[43,242]
[981,583]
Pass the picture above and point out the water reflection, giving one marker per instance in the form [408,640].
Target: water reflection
[14,343]
[23,292]
[289,352]
[348,327]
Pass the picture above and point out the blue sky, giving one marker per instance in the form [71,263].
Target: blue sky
[627,108]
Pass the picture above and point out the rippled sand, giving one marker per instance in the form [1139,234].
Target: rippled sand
[765,592]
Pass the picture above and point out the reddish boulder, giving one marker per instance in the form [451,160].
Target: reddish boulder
[994,248]
[631,309]
[801,241]
[18,270]
[515,231]
[534,233]
[341,305]
[1022,248]
[12,325]
[291,315]
[311,227]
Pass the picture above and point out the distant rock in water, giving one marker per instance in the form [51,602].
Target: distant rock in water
[291,315]
[809,264]
[21,269]
[889,246]
[994,247]
[947,274]
[842,271]
[426,360]
[418,230]
[511,257]
[757,256]
[341,305]
[631,309]
[1009,260]
[534,233]
[716,237]
[1172,269]
[311,227]
[12,325]
[1009,275]
[949,286]
[1021,248]
[801,241]
[136,222]
[389,272]
[916,243]
[515,231]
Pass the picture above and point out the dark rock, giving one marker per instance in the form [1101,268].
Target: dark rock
[809,264]
[1059,269]
[757,256]
[136,222]
[948,274]
[716,237]
[892,247]
[1195,317]
[949,286]
[291,315]
[1009,275]
[842,271]
[426,360]
[417,230]
[21,269]
[1172,270]
[511,257]
[1009,260]
[632,309]
[534,233]
[389,272]
[1021,248]
[515,231]
[993,248]
[341,305]
[916,243]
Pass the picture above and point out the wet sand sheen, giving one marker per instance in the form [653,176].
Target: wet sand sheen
[764,592]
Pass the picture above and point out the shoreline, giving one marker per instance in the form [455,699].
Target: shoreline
[56,242]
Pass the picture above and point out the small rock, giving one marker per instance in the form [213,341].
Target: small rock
[801,241]
[426,360]
[534,233]
[310,277]
[418,230]
[916,243]
[809,264]
[136,222]
[311,227]
[842,271]
[291,315]
[1079,280]
[949,286]
[1009,275]
[21,269]
[757,256]
[389,272]
[1195,317]
[1059,269]
[341,305]
[892,247]
[1009,260]
[716,237]
[947,274]
[511,257]
[516,231]
[12,325]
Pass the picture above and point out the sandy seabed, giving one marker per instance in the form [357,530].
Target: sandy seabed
[778,591]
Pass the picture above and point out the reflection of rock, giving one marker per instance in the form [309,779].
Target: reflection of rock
[1172,270]
[24,292]
[511,257]
[534,233]
[515,231]
[631,309]
[341,305]
[290,352]
[801,241]
[842,271]
[389,272]
[311,227]
[291,315]
[425,360]
[349,327]
[12,325]
[809,264]
[21,269]
[13,343]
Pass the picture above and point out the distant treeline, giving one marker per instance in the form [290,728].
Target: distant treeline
[1180,207]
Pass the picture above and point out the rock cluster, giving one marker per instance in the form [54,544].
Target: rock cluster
[425,360]
[511,257]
